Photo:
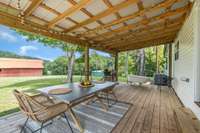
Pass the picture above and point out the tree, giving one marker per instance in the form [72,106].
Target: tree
[56,67]
[69,49]
[99,62]
[140,62]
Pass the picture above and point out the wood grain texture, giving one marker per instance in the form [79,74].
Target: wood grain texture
[154,110]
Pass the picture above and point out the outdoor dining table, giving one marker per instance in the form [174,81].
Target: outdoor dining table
[79,95]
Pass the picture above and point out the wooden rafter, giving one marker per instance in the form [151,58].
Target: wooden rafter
[14,22]
[143,33]
[49,9]
[107,2]
[68,12]
[154,36]
[146,32]
[33,16]
[173,27]
[148,40]
[157,27]
[141,37]
[82,9]
[139,13]
[103,14]
[129,42]
[148,43]
[141,8]
[85,12]
[148,37]
[57,13]
[34,4]
[140,23]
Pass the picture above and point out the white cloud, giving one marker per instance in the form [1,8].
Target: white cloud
[25,49]
[44,58]
[7,36]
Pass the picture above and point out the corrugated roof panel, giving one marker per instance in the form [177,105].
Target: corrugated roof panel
[66,24]
[14,3]
[99,5]
[116,2]
[117,26]
[93,25]
[155,13]
[128,10]
[108,18]
[150,3]
[58,5]
[180,4]
[44,14]
[79,16]
[132,21]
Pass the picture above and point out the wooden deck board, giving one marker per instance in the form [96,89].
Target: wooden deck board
[152,110]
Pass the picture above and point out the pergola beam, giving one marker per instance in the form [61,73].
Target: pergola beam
[140,23]
[14,22]
[142,33]
[159,31]
[103,14]
[148,43]
[68,12]
[140,36]
[149,38]
[34,4]
[139,13]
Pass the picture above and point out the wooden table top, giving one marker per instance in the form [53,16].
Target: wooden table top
[77,91]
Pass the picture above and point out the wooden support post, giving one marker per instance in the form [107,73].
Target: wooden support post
[170,63]
[116,65]
[157,61]
[126,68]
[87,63]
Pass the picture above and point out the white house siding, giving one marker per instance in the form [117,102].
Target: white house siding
[186,65]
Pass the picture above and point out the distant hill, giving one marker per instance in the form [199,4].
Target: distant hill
[6,54]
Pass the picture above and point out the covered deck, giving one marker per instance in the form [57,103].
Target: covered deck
[153,111]
[112,26]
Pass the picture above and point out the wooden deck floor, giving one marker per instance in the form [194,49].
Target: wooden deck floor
[152,110]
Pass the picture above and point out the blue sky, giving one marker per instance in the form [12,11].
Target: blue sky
[12,42]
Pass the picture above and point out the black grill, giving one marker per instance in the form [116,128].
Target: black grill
[161,79]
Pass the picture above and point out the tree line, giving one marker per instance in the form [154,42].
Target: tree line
[140,62]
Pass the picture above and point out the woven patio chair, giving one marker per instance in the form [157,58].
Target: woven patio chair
[40,108]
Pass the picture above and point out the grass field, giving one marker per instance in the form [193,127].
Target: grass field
[8,102]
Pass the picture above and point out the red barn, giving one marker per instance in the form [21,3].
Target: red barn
[20,67]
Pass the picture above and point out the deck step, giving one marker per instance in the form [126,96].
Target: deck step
[186,120]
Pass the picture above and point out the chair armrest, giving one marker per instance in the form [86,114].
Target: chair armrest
[57,109]
[41,96]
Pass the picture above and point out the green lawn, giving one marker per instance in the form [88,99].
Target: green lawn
[8,102]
